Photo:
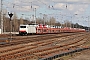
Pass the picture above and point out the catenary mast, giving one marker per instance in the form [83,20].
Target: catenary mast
[1,18]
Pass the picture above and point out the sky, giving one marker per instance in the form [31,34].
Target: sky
[75,11]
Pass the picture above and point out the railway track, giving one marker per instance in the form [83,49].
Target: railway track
[42,49]
[26,39]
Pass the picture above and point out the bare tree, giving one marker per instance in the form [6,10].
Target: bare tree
[4,23]
[21,20]
[15,23]
[67,23]
[52,21]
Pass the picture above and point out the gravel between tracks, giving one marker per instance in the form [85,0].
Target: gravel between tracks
[83,55]
[44,43]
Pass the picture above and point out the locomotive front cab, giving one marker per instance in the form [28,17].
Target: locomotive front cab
[23,30]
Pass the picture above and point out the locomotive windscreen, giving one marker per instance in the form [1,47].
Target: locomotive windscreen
[22,26]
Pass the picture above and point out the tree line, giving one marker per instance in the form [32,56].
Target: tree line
[52,21]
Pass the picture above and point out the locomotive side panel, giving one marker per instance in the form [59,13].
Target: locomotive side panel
[31,29]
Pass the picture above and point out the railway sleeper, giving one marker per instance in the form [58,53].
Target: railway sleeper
[17,51]
[12,56]
[26,57]
[54,51]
